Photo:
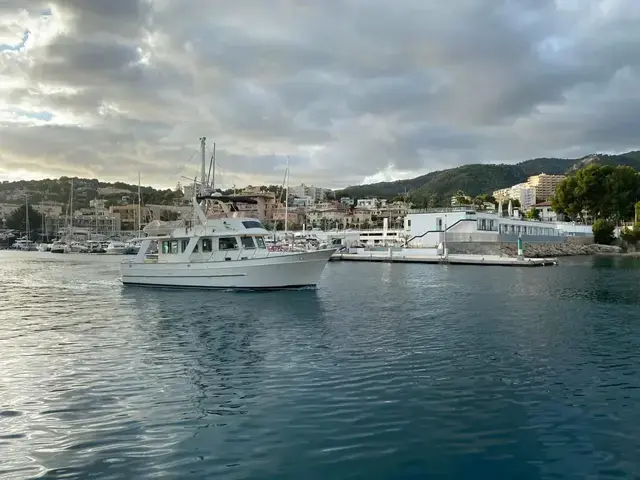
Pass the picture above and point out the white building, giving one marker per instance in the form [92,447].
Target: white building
[317,194]
[546,212]
[371,203]
[426,229]
[98,205]
[304,202]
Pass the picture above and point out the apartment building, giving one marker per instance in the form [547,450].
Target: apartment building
[317,194]
[545,185]
[127,216]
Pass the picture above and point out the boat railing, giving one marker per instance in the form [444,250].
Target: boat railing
[252,253]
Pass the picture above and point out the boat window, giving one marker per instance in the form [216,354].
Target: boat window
[260,242]
[174,247]
[227,243]
[247,242]
[207,245]
[252,224]
[165,247]
[185,244]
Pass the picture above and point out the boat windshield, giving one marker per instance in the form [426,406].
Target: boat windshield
[260,242]
[252,224]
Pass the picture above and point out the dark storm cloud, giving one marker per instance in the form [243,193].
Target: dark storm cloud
[346,88]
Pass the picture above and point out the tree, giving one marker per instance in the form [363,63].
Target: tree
[17,221]
[631,235]
[604,192]
[603,232]
[637,212]
[485,198]
[461,198]
[533,214]
[567,200]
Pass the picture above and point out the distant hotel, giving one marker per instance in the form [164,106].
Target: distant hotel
[538,188]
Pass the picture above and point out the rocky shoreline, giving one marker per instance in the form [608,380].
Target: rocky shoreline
[546,250]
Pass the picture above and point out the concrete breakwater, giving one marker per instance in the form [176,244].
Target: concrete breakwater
[531,250]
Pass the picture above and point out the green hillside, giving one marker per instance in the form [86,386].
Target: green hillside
[84,190]
[436,188]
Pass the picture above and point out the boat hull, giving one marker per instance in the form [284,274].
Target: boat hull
[116,251]
[291,270]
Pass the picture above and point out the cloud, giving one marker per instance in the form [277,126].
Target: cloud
[350,90]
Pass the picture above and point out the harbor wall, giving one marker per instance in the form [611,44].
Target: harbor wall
[569,246]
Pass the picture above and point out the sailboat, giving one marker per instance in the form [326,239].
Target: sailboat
[228,253]
[25,244]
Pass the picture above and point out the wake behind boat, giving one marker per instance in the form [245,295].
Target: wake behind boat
[224,253]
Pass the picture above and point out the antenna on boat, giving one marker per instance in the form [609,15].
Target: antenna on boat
[212,170]
[203,166]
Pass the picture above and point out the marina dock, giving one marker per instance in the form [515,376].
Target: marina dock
[486,260]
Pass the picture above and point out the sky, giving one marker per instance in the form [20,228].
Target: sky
[352,91]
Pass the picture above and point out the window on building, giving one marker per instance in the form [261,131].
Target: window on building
[247,242]
[227,243]
[207,245]
[260,242]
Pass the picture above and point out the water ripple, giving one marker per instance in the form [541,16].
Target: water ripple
[386,371]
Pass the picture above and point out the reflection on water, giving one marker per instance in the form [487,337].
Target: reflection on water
[384,371]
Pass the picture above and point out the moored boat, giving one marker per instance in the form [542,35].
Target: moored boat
[228,253]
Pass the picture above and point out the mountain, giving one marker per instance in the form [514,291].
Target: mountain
[475,179]
[84,190]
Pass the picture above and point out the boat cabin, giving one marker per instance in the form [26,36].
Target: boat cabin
[220,240]
[227,247]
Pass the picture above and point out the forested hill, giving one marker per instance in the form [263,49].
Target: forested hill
[84,190]
[475,179]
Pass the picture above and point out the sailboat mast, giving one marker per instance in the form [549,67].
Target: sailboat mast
[43,229]
[286,201]
[70,232]
[26,215]
[213,172]
[139,208]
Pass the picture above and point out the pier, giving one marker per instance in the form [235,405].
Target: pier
[486,260]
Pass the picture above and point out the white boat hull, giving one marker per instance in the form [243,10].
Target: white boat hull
[289,270]
[116,250]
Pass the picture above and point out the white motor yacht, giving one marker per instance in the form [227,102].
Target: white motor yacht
[222,253]
[133,247]
[59,247]
[116,248]
[44,247]
[24,245]
[228,252]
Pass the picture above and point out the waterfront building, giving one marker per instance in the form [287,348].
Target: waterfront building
[546,212]
[426,228]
